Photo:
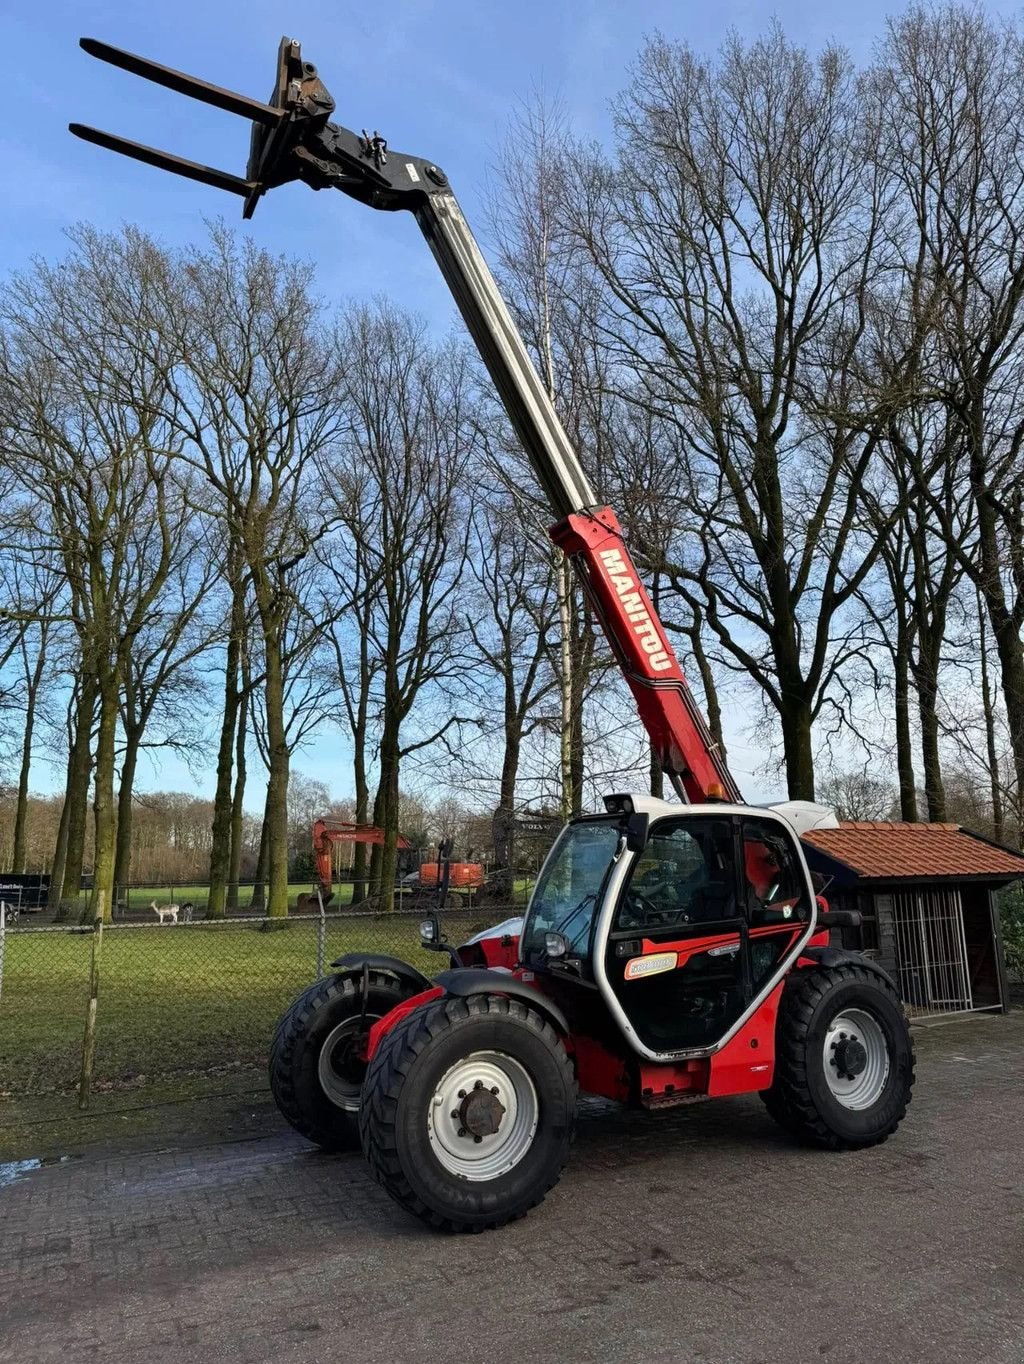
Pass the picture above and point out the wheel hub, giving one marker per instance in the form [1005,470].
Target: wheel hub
[856,1058]
[481,1111]
[851,1058]
[483,1116]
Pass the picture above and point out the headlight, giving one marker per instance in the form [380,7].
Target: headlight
[428,930]
[555,945]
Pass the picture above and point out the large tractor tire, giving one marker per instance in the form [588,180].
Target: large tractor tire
[468,1112]
[315,1074]
[844,1058]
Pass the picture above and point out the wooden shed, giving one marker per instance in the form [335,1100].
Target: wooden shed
[926,893]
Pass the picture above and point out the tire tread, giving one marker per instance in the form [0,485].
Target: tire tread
[387,1074]
[789,1100]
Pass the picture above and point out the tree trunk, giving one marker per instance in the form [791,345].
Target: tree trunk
[21,811]
[259,898]
[237,810]
[103,802]
[60,853]
[797,748]
[123,855]
[904,740]
[384,857]
[988,704]
[926,683]
[360,856]
[277,783]
[220,847]
[504,818]
[707,681]
[76,794]
[1011,661]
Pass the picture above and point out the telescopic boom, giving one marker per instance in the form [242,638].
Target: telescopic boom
[293,139]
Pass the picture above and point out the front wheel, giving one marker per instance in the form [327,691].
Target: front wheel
[844,1058]
[468,1112]
[316,1070]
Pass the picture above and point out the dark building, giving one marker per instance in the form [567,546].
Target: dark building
[926,893]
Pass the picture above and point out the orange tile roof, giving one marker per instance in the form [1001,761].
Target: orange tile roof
[910,851]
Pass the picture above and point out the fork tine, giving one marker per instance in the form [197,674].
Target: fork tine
[185,85]
[192,170]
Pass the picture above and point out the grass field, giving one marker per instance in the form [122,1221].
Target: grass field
[182,1000]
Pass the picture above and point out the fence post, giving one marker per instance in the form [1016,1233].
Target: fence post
[89,1039]
[3,944]
[321,935]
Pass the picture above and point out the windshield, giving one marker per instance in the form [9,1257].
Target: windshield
[570,884]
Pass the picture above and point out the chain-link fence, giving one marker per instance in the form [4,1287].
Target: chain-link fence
[178,999]
[142,901]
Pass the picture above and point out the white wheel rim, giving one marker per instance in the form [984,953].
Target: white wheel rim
[477,1157]
[343,1092]
[856,1059]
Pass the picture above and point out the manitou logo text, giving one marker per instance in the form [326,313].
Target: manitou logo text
[633,605]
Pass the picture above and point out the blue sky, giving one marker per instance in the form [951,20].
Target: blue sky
[437,79]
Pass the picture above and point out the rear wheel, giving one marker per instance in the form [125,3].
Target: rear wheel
[468,1112]
[316,1073]
[844,1063]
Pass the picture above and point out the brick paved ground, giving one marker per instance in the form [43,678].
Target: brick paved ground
[695,1235]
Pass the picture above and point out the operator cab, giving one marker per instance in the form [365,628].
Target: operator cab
[680,929]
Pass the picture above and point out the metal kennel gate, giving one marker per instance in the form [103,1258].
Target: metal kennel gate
[931,952]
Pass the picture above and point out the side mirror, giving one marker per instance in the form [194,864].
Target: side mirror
[637,826]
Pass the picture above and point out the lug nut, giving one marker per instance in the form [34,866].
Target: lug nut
[494,1089]
[479,1084]
[455,1114]
[462,1093]
[461,1132]
[478,1140]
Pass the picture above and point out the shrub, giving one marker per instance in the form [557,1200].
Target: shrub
[1011,913]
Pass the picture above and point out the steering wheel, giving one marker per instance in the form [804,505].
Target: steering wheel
[654,916]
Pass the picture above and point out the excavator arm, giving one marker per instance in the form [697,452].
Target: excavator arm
[327,832]
[293,139]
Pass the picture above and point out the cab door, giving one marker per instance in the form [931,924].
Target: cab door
[693,939]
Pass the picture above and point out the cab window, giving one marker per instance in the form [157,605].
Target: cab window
[776,893]
[776,888]
[685,875]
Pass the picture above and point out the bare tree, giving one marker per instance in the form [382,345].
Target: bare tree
[81,402]
[949,85]
[255,403]
[518,593]
[411,430]
[30,588]
[736,240]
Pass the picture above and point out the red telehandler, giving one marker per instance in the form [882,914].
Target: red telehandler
[669,953]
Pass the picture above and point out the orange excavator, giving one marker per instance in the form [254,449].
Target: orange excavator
[327,832]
